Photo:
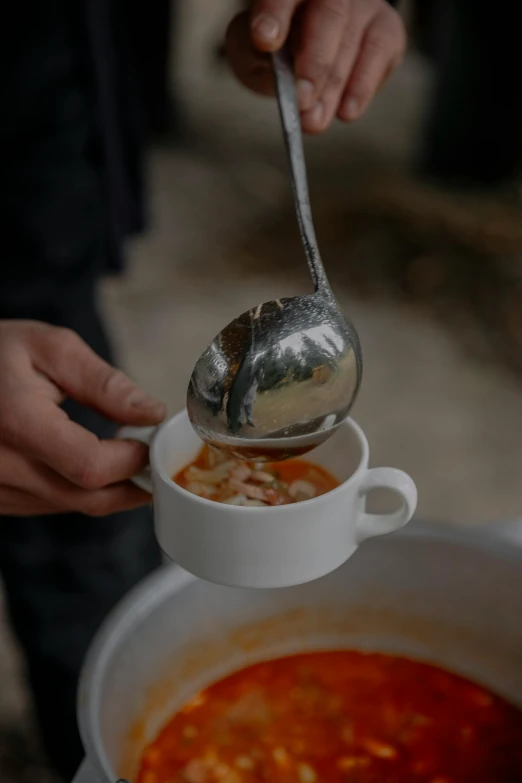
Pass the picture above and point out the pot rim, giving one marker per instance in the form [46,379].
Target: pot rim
[494,538]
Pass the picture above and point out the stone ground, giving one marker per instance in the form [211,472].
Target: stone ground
[439,398]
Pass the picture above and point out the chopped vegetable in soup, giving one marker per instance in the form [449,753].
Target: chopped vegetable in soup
[217,476]
[339,717]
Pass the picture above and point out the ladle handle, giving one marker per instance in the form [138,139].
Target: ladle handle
[291,123]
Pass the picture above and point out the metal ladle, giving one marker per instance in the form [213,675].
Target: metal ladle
[278,380]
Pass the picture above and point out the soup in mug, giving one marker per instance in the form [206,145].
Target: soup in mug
[217,476]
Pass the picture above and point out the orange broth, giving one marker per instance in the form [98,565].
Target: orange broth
[227,479]
[339,717]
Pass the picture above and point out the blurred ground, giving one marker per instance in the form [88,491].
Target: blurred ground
[431,280]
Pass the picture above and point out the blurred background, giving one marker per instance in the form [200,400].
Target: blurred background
[421,232]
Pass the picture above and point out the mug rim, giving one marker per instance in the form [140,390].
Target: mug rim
[163,475]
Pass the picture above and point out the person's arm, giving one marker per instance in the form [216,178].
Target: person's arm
[48,463]
[343,52]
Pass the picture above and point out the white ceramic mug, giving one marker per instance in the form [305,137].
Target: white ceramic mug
[277,546]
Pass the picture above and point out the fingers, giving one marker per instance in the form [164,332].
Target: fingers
[321,114]
[112,500]
[37,358]
[381,50]
[28,487]
[270,22]
[320,34]
[343,52]
[250,66]
[319,37]
[38,428]
[370,47]
[69,362]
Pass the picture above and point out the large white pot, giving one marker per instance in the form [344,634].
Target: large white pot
[451,597]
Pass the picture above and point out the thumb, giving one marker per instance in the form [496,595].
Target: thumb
[82,375]
[250,66]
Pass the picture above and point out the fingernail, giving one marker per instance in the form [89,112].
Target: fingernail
[352,109]
[267,28]
[144,402]
[316,115]
[305,93]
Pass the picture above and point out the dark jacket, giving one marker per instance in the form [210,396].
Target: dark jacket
[70,146]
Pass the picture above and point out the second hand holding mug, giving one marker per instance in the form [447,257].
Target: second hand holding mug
[276,546]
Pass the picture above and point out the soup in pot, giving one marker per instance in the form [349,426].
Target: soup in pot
[217,476]
[339,717]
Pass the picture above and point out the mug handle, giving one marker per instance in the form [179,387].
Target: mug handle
[371,525]
[144,435]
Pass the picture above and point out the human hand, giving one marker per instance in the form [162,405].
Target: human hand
[343,52]
[48,463]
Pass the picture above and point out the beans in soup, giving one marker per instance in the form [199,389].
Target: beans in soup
[339,717]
